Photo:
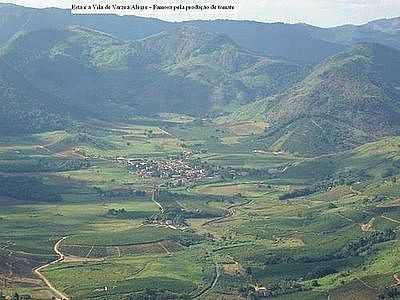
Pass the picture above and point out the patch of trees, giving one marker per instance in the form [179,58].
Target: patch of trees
[120,193]
[178,216]
[27,188]
[364,244]
[392,171]
[124,214]
[352,248]
[280,288]
[202,214]
[174,215]
[284,287]
[19,122]
[187,239]
[43,165]
[255,173]
[347,178]
[16,296]
[320,272]
[344,178]
[167,196]
[385,209]
[298,193]
[379,198]
[392,292]
[289,259]
[149,294]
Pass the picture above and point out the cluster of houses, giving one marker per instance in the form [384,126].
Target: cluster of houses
[177,170]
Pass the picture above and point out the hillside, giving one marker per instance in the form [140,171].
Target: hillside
[348,100]
[294,42]
[384,31]
[287,41]
[184,70]
[18,19]
[24,109]
[375,160]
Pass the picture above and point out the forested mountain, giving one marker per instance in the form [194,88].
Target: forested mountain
[350,99]
[24,109]
[385,31]
[112,67]
[299,42]
[16,19]
[302,42]
[287,41]
[184,70]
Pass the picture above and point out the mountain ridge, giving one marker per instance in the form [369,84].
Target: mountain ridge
[183,70]
[348,100]
[293,42]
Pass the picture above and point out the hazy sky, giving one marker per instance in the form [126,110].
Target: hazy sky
[316,12]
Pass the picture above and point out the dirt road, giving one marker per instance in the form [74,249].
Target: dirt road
[38,270]
[230,212]
[390,219]
[213,284]
[397,279]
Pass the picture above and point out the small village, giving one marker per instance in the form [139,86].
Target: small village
[180,171]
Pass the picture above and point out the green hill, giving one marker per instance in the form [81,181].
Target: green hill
[376,160]
[185,70]
[78,140]
[294,42]
[16,19]
[350,99]
[24,109]
[383,31]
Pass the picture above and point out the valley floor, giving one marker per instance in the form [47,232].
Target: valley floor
[256,225]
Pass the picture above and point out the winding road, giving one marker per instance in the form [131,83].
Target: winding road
[60,258]
[230,213]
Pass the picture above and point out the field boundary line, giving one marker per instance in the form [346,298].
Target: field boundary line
[346,218]
[213,284]
[118,245]
[230,212]
[90,252]
[390,219]
[165,248]
[366,284]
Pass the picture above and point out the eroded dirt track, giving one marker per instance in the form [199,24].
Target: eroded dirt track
[60,258]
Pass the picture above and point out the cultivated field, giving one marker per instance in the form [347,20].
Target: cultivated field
[258,224]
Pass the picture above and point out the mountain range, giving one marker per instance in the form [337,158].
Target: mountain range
[172,71]
[348,100]
[301,42]
[320,90]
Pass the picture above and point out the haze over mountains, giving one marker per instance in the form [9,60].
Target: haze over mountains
[320,90]
[288,41]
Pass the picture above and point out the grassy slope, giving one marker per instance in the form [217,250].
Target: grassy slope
[376,159]
[346,101]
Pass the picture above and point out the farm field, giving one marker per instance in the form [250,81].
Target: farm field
[146,158]
[258,224]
